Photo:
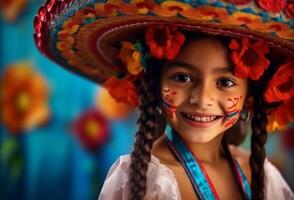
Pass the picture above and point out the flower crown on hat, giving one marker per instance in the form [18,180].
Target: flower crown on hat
[249,59]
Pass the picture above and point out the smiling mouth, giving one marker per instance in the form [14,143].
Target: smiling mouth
[201,118]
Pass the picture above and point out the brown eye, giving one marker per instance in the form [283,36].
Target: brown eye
[224,82]
[182,78]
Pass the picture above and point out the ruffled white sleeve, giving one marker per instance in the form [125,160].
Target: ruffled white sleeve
[276,187]
[161,183]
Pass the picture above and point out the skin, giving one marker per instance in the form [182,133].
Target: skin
[201,81]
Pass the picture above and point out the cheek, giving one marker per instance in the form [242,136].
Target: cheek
[233,107]
[169,101]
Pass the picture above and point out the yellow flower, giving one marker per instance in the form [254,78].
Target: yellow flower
[131,58]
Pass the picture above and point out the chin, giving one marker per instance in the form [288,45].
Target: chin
[198,138]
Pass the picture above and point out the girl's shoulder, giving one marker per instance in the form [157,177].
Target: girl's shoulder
[161,183]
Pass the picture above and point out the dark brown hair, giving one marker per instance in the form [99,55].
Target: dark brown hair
[149,120]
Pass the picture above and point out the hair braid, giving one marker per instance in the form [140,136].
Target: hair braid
[258,140]
[145,137]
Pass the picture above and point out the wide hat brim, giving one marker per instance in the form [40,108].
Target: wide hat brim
[85,36]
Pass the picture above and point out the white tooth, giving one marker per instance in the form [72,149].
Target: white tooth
[202,118]
[197,118]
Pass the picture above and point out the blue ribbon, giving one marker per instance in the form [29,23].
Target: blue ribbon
[194,171]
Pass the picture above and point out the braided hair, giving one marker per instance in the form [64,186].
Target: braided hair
[148,123]
[259,132]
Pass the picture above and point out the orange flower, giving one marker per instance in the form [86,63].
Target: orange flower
[122,90]
[249,58]
[24,100]
[281,86]
[110,108]
[164,41]
[12,8]
[281,116]
[131,58]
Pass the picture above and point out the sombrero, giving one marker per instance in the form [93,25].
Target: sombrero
[84,36]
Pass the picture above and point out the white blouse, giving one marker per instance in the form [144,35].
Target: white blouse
[162,185]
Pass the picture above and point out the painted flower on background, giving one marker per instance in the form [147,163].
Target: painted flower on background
[272,5]
[122,90]
[91,129]
[110,108]
[24,98]
[248,58]
[11,9]
[281,116]
[281,86]
[164,41]
[131,58]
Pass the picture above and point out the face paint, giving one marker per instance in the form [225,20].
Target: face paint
[233,112]
[168,102]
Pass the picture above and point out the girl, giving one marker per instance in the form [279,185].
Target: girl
[196,70]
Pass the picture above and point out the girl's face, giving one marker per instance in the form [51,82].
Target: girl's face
[200,94]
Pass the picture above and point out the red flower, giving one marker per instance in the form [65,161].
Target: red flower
[91,129]
[249,58]
[164,41]
[281,116]
[281,86]
[272,5]
[289,10]
[122,90]
[240,2]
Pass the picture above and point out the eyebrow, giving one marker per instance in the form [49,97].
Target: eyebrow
[193,67]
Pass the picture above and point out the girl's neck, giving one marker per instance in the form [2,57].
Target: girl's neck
[210,153]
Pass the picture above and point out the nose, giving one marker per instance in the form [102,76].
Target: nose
[202,95]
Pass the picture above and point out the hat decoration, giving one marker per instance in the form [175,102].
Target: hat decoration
[109,41]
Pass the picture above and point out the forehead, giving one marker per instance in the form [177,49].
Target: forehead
[205,54]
